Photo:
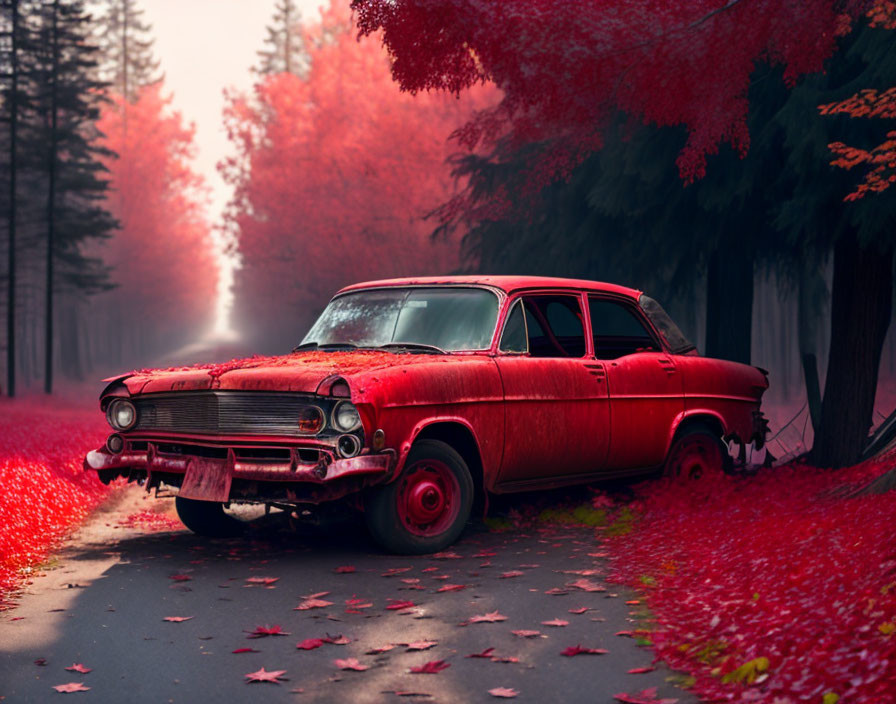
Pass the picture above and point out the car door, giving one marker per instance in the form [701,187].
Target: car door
[645,384]
[556,414]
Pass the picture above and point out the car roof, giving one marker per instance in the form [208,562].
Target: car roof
[509,284]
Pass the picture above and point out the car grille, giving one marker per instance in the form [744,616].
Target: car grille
[220,412]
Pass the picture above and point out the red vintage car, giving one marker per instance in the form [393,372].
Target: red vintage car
[413,398]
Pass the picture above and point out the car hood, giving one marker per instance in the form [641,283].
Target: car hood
[300,372]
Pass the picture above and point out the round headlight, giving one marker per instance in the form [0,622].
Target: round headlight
[122,415]
[346,416]
[310,420]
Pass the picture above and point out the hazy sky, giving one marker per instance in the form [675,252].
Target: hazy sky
[204,47]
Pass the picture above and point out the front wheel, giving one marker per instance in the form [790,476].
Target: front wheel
[427,507]
[207,518]
[697,452]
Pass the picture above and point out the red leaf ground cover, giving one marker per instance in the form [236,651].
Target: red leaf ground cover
[771,588]
[45,491]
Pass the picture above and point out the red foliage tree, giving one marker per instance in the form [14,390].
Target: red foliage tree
[333,174]
[567,67]
[870,103]
[162,256]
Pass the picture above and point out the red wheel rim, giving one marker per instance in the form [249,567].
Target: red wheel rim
[428,498]
[695,457]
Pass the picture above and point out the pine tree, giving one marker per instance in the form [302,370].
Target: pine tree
[127,48]
[65,159]
[286,51]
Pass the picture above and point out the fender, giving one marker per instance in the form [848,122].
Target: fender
[690,413]
[405,447]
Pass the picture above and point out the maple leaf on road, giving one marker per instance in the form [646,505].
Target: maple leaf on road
[526,634]
[350,664]
[451,587]
[262,580]
[345,569]
[430,668]
[263,631]
[70,687]
[313,604]
[487,653]
[503,692]
[263,675]
[180,577]
[78,667]
[397,605]
[579,650]
[310,644]
[177,619]
[422,644]
[558,622]
[490,617]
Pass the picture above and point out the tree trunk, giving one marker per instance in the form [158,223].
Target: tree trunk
[729,304]
[11,252]
[812,302]
[861,303]
[51,206]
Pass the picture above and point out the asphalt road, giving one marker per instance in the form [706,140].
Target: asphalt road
[104,604]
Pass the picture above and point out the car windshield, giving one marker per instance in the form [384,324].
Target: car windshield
[447,318]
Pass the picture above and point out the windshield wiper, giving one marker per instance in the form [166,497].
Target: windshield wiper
[411,347]
[326,346]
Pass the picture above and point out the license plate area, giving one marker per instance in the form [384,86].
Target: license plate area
[207,480]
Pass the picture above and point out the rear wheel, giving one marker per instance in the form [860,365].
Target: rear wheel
[427,507]
[207,518]
[697,452]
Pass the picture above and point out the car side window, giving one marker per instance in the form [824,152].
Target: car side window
[514,337]
[554,324]
[617,331]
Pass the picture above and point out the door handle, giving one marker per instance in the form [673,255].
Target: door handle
[597,371]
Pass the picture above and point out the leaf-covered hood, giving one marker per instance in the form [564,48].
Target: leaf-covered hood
[300,372]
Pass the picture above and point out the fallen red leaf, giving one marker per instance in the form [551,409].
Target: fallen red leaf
[422,644]
[71,687]
[557,622]
[262,580]
[313,604]
[579,650]
[487,653]
[646,696]
[503,692]
[526,634]
[310,644]
[392,571]
[78,667]
[587,585]
[180,577]
[505,658]
[397,605]
[580,610]
[640,670]
[351,664]
[382,649]
[245,650]
[263,631]
[263,675]
[430,668]
[490,617]
[345,569]
[337,640]
[512,573]
[177,619]
[451,587]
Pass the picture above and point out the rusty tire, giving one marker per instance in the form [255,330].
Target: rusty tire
[426,508]
[207,518]
[695,453]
